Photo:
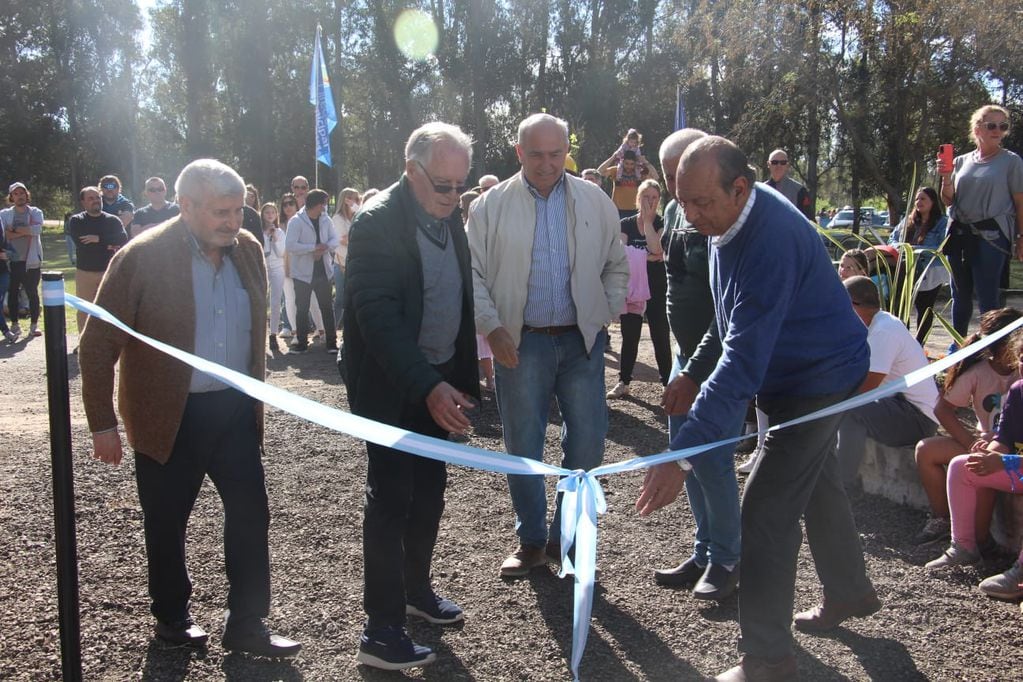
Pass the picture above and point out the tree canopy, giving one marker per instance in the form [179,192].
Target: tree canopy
[860,93]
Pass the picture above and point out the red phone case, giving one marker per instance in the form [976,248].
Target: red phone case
[945,155]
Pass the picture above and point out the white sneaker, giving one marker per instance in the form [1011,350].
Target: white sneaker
[34,331]
[955,555]
[286,334]
[620,390]
[747,466]
[1004,585]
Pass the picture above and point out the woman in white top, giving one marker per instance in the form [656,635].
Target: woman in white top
[273,251]
[289,207]
[348,203]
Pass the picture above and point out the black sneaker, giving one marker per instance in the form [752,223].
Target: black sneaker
[390,648]
[298,348]
[434,608]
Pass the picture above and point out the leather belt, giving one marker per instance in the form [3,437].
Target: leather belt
[551,331]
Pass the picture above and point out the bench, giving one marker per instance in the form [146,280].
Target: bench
[890,472]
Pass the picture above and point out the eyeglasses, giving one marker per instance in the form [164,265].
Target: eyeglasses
[991,125]
[300,187]
[445,188]
[779,162]
[109,185]
[156,189]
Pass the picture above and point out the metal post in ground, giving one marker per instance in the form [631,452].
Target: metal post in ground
[63,476]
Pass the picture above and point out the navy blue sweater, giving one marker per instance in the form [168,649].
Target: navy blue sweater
[784,319]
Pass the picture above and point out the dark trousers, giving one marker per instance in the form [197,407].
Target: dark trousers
[976,267]
[924,304]
[404,503]
[217,437]
[797,476]
[303,291]
[29,279]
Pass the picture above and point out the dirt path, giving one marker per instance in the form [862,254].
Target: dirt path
[931,627]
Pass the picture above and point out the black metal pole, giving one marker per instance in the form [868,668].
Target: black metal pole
[63,476]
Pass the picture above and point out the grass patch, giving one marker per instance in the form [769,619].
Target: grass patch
[55,258]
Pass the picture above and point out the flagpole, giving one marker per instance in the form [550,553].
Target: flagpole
[316,116]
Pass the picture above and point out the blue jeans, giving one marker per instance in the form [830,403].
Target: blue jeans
[72,249]
[713,493]
[976,266]
[5,281]
[549,366]
[339,295]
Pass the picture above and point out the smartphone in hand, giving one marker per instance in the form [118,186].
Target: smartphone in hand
[945,155]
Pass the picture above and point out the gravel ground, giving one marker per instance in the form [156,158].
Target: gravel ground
[930,628]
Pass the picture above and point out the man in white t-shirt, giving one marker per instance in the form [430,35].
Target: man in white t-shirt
[901,419]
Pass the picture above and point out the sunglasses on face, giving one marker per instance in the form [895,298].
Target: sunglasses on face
[290,203]
[109,185]
[991,125]
[779,162]
[443,188]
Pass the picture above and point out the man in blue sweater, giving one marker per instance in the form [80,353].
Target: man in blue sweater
[770,275]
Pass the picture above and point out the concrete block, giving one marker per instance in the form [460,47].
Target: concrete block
[891,473]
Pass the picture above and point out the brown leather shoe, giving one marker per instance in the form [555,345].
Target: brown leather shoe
[831,613]
[524,560]
[758,669]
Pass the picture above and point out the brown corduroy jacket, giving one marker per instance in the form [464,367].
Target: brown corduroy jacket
[148,286]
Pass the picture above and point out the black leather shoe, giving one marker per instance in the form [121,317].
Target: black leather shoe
[717,583]
[181,633]
[684,575]
[258,641]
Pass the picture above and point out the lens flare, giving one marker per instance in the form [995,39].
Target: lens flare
[416,35]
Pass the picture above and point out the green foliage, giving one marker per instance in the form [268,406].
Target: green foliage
[857,92]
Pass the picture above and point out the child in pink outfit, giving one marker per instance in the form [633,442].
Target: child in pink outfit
[993,465]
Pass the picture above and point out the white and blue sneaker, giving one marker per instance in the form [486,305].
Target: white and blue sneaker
[390,648]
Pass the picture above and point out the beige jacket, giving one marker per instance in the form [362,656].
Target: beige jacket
[501,226]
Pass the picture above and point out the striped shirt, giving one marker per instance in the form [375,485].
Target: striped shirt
[549,299]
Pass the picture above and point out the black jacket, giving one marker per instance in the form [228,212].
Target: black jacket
[384,311]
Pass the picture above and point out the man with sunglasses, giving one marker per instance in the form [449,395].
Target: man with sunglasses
[158,209]
[300,188]
[114,202]
[792,190]
[549,274]
[410,358]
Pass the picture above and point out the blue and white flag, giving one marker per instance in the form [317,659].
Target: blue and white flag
[322,97]
[680,109]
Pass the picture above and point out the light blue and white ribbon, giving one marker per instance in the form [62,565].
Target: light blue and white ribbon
[583,498]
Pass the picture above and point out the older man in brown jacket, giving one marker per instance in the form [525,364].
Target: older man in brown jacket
[197,283]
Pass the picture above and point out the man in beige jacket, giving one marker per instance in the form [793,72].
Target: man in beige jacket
[549,273]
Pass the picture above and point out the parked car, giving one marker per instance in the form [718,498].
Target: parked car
[868,216]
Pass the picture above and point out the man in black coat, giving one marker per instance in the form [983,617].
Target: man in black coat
[410,359]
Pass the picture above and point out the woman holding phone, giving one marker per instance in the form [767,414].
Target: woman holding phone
[984,192]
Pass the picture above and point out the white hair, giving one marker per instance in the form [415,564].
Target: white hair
[490,178]
[535,120]
[423,139]
[208,177]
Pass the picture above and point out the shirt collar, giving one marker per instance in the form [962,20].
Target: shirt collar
[559,186]
[730,233]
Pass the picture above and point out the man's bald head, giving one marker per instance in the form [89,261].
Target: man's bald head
[671,151]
